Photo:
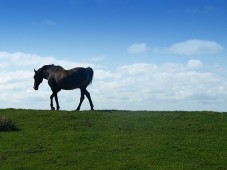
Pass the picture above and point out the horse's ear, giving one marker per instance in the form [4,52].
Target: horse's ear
[35,71]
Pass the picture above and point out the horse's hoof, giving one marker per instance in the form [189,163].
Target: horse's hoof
[52,108]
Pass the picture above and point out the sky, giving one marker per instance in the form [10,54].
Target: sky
[146,54]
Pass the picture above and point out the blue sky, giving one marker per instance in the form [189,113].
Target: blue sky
[83,28]
[114,35]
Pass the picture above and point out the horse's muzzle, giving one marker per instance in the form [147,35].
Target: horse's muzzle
[36,88]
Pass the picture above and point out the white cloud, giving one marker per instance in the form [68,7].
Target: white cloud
[187,48]
[138,48]
[24,60]
[195,47]
[162,87]
[139,86]
[194,64]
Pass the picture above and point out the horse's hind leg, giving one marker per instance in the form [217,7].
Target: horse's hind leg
[81,99]
[89,99]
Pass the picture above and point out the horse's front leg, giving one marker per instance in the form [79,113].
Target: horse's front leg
[56,100]
[51,101]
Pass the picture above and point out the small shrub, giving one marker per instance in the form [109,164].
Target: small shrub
[6,124]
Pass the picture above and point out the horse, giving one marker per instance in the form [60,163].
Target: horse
[60,79]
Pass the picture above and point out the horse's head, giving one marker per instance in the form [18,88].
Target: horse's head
[38,78]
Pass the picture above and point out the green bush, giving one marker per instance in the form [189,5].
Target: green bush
[6,124]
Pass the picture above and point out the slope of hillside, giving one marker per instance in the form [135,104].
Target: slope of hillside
[114,140]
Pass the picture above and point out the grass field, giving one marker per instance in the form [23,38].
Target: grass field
[114,140]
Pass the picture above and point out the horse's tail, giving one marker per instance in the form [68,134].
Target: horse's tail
[90,74]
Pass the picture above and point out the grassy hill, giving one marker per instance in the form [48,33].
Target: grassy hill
[114,140]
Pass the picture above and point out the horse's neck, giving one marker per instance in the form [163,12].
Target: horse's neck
[46,73]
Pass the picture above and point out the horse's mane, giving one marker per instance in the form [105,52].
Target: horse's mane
[52,67]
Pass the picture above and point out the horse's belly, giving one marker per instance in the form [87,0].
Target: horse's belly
[69,87]
[71,84]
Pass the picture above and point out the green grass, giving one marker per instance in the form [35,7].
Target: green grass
[114,140]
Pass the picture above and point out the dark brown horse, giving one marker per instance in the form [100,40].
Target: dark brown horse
[58,78]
